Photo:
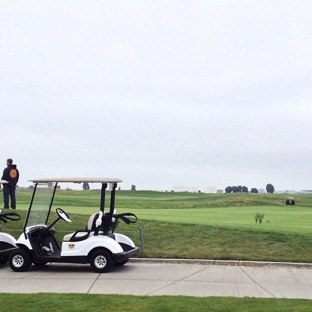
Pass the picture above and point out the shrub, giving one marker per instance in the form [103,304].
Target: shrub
[259,217]
[235,189]
[228,189]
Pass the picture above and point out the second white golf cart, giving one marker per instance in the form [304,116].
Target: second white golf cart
[7,241]
[97,244]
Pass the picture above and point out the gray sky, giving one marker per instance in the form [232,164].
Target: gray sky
[159,93]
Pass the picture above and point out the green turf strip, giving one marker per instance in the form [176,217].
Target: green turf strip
[115,303]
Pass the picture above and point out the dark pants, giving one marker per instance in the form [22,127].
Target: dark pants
[9,191]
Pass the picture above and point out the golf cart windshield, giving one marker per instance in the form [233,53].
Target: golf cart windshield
[39,210]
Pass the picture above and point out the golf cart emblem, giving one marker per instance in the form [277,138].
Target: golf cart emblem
[71,246]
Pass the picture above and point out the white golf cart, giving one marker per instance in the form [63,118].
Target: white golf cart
[7,241]
[97,244]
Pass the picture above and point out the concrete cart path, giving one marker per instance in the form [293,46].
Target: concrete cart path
[153,278]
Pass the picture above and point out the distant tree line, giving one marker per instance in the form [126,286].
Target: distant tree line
[244,189]
[236,189]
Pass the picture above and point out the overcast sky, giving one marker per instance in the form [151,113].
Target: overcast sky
[158,93]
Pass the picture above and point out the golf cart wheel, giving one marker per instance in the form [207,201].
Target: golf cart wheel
[101,261]
[20,260]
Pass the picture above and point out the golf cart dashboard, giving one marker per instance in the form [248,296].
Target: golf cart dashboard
[39,234]
[41,239]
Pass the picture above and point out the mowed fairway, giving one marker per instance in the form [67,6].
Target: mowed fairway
[236,211]
[278,219]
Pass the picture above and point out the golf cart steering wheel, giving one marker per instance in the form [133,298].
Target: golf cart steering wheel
[63,215]
[12,216]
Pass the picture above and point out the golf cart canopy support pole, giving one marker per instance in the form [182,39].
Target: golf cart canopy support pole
[51,201]
[102,203]
[112,202]
[28,212]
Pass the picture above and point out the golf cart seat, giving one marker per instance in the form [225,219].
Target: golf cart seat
[83,234]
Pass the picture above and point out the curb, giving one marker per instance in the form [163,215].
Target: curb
[223,262]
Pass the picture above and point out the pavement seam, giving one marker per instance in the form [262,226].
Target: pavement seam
[93,283]
[177,281]
[255,282]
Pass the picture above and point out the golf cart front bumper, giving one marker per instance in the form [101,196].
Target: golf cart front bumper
[124,256]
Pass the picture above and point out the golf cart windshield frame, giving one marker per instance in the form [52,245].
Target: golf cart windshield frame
[40,206]
[42,198]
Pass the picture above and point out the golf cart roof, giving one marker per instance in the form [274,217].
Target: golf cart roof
[77,180]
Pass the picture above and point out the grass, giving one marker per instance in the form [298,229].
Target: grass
[194,208]
[195,241]
[184,225]
[279,219]
[162,200]
[115,303]
[201,226]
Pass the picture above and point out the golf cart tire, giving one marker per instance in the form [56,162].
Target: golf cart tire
[20,260]
[121,263]
[101,261]
[40,264]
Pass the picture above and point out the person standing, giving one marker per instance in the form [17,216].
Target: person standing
[10,174]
